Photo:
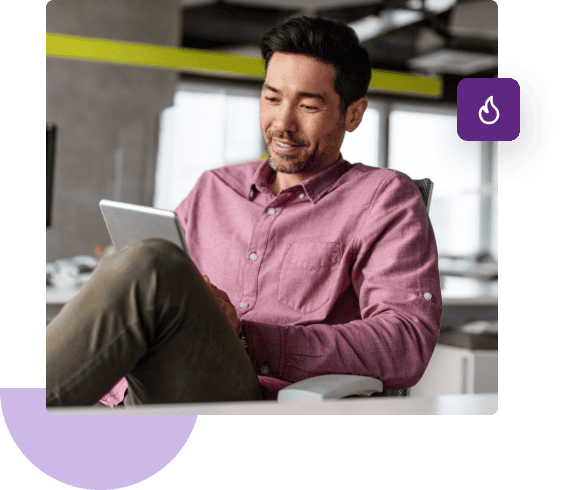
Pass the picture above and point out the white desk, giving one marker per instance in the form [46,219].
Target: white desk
[466,300]
[463,291]
[484,404]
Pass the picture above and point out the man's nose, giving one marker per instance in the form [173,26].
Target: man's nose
[286,120]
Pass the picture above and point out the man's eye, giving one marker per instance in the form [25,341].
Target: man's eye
[271,99]
[310,107]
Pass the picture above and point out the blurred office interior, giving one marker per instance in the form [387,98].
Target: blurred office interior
[143,134]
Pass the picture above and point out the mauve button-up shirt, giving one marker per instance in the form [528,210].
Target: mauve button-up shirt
[338,274]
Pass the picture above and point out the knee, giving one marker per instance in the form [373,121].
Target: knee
[151,249]
[140,261]
[150,252]
[156,246]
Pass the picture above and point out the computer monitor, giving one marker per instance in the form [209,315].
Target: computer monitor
[51,137]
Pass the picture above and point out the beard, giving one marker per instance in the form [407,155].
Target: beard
[289,164]
[309,158]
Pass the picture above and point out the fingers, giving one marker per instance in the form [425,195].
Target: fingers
[216,291]
[225,304]
[221,294]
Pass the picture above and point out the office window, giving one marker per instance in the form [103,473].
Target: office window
[362,144]
[207,127]
[424,144]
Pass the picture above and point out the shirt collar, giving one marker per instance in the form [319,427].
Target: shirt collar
[314,187]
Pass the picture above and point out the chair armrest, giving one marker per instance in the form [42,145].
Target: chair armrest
[330,387]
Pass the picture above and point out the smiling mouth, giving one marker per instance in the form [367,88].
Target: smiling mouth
[283,147]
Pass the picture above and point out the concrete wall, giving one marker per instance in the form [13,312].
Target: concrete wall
[106,116]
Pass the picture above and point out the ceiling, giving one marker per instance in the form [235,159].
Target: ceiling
[452,38]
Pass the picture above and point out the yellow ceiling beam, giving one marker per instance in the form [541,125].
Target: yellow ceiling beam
[212,63]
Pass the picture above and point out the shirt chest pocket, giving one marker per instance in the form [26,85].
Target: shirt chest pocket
[308,274]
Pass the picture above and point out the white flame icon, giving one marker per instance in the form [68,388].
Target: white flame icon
[486,109]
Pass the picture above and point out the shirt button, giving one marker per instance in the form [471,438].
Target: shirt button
[427,296]
[271,211]
[264,369]
[253,257]
[244,305]
[302,195]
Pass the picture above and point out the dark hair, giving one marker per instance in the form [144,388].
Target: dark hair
[329,41]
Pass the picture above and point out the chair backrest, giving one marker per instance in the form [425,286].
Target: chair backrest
[425,186]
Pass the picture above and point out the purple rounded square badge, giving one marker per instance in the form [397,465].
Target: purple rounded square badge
[488,109]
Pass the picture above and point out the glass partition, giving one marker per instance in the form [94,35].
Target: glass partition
[423,144]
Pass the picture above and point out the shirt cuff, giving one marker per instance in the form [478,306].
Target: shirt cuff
[266,347]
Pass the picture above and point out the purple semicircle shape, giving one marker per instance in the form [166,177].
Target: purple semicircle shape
[92,451]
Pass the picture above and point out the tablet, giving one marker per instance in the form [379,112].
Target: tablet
[129,223]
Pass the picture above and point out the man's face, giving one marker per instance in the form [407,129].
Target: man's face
[300,114]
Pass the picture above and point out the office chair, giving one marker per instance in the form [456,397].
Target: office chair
[335,386]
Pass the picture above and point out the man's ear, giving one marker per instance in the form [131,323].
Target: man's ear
[354,113]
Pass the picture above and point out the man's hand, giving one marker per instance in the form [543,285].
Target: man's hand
[226,306]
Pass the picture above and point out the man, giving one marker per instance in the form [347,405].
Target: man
[319,266]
